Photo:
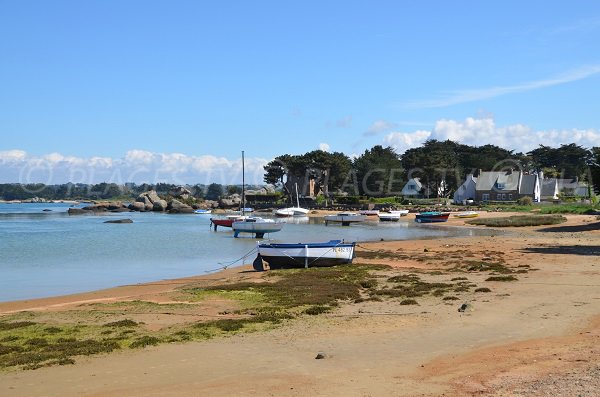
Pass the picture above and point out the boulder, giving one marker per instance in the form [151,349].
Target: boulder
[159,205]
[152,196]
[119,221]
[121,209]
[177,207]
[180,192]
[137,206]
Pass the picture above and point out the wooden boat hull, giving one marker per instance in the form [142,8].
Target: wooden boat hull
[306,255]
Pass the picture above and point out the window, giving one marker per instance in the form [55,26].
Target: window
[485,197]
[510,197]
[503,196]
[412,187]
[500,185]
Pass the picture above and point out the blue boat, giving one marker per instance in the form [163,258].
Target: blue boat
[432,216]
[281,255]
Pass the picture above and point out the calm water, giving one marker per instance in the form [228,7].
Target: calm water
[52,253]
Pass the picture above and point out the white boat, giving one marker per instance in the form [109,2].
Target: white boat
[334,252]
[389,216]
[467,214]
[293,211]
[256,225]
[345,218]
[203,212]
[369,212]
[401,212]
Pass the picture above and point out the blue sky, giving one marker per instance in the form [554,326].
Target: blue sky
[95,90]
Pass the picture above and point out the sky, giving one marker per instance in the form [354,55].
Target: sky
[154,91]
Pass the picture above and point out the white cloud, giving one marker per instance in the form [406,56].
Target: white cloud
[482,131]
[136,166]
[401,141]
[378,127]
[471,95]
[324,147]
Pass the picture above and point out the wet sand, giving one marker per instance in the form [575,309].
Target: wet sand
[536,336]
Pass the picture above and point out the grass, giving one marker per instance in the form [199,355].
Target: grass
[501,278]
[483,289]
[565,208]
[519,221]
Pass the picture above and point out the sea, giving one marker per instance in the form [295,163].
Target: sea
[44,251]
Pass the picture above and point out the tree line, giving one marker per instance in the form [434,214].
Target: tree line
[441,166]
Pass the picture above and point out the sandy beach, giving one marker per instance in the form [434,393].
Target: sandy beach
[538,335]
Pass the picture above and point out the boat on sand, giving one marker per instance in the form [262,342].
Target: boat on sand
[280,255]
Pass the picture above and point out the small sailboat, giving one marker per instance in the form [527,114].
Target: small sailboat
[333,252]
[256,225]
[253,224]
[293,211]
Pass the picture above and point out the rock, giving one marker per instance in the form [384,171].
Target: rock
[320,356]
[177,207]
[463,307]
[46,210]
[114,206]
[137,206]
[180,192]
[95,208]
[152,196]
[119,221]
[159,205]
[77,211]
[121,209]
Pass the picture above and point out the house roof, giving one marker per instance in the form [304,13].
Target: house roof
[416,181]
[548,187]
[528,184]
[487,181]
[569,184]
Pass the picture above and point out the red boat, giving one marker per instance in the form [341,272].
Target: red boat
[226,221]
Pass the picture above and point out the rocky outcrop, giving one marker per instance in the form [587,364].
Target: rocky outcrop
[177,207]
[160,205]
[99,207]
[180,192]
[148,199]
[137,206]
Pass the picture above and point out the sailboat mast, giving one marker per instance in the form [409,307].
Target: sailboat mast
[243,184]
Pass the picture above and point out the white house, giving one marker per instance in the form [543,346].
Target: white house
[466,191]
[413,188]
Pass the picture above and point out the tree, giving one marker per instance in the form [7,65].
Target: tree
[437,164]
[379,172]
[568,161]
[214,191]
[328,170]
[594,163]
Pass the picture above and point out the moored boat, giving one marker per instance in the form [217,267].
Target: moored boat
[278,255]
[369,212]
[389,217]
[432,216]
[202,212]
[345,218]
[225,221]
[293,211]
[467,214]
[401,212]
[256,225]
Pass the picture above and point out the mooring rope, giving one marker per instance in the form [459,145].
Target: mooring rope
[225,265]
